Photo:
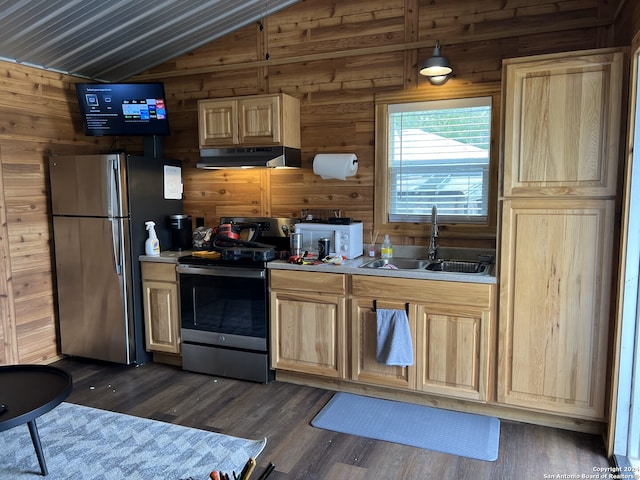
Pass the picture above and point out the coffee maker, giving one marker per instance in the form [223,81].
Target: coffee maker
[181,233]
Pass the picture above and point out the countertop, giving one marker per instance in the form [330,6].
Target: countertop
[167,256]
[352,266]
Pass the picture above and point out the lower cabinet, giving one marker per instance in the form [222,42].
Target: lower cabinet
[452,324]
[161,307]
[364,341]
[555,305]
[308,324]
[454,350]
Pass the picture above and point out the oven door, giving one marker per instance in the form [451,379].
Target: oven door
[224,306]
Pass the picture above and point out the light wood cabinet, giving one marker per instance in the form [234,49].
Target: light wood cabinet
[562,124]
[454,350]
[218,122]
[308,322]
[562,119]
[161,307]
[554,304]
[364,366]
[451,324]
[258,120]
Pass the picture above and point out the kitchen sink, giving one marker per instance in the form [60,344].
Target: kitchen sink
[444,266]
[458,266]
[398,263]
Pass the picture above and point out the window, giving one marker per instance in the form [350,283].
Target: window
[463,183]
[438,153]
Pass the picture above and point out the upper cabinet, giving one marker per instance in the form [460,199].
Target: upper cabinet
[562,124]
[258,120]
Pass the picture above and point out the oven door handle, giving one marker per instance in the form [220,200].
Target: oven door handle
[223,271]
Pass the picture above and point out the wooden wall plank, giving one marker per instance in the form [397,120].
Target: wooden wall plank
[38,116]
[335,57]
[8,337]
[627,21]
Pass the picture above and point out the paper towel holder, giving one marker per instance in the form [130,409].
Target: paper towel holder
[335,165]
[354,161]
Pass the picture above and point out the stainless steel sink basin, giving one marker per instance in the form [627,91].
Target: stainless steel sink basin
[458,266]
[444,266]
[398,263]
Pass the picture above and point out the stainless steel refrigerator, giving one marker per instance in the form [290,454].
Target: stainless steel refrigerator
[100,204]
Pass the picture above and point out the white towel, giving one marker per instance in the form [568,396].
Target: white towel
[394,338]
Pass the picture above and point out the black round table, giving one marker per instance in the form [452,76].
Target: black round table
[28,391]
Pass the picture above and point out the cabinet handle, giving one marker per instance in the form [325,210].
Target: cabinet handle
[375,306]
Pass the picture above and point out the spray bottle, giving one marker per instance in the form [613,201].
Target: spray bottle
[152,245]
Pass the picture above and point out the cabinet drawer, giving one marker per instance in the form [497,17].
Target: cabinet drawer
[308,281]
[163,272]
[430,291]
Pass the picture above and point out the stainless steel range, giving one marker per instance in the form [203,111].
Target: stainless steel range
[225,299]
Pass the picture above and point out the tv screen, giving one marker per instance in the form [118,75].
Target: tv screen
[122,109]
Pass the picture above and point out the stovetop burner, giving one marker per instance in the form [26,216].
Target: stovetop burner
[255,254]
[272,242]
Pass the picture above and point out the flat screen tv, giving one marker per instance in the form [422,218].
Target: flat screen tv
[123,109]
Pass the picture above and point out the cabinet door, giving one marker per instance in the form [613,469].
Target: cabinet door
[161,316]
[561,124]
[308,333]
[259,121]
[453,347]
[217,122]
[554,304]
[365,367]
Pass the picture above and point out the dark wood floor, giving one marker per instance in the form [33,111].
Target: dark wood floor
[282,412]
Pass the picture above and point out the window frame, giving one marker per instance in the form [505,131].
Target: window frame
[476,231]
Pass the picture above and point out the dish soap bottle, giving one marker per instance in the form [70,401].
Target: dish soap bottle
[152,245]
[386,250]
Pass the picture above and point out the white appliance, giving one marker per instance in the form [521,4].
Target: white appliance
[346,240]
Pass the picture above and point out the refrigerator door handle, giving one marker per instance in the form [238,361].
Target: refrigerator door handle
[117,251]
[115,202]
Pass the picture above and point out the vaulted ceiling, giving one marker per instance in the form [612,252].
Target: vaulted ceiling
[112,40]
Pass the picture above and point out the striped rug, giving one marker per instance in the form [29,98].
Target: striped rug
[85,443]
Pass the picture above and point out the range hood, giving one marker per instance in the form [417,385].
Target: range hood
[247,157]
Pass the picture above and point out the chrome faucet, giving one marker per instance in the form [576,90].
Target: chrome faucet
[433,246]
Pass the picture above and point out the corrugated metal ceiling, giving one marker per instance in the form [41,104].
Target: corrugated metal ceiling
[112,40]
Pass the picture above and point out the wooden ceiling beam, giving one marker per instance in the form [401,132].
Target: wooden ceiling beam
[355,52]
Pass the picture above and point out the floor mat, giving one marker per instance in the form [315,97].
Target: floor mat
[464,434]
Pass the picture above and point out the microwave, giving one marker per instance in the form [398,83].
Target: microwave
[346,240]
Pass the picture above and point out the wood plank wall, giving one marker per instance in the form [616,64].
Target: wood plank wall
[626,21]
[38,116]
[335,56]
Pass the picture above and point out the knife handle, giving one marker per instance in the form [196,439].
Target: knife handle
[267,471]
[248,469]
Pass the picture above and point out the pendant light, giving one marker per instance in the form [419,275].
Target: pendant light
[436,68]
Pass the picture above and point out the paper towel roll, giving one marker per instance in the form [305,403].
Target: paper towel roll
[335,165]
